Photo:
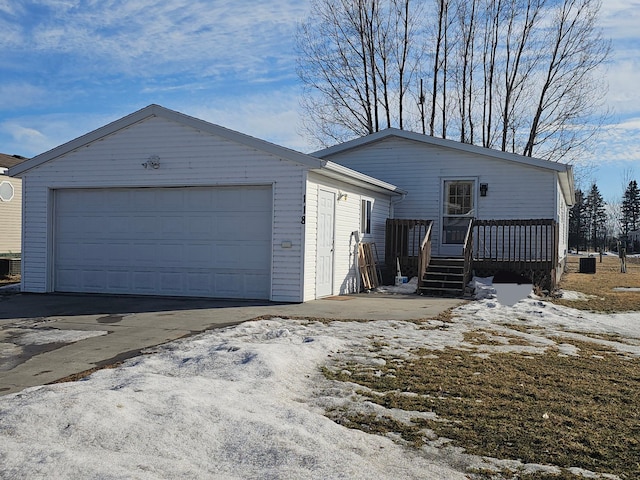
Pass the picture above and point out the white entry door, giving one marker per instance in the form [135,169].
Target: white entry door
[458,209]
[324,263]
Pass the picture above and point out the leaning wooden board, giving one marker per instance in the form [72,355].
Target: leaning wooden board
[367,266]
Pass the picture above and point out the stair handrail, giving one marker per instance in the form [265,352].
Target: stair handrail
[425,255]
[467,252]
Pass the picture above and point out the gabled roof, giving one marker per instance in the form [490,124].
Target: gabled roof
[314,163]
[564,171]
[8,161]
[162,112]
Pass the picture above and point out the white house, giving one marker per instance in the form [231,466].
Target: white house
[10,207]
[452,183]
[160,203]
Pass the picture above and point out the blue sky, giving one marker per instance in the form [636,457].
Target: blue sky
[69,66]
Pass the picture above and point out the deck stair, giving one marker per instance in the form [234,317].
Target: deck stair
[444,277]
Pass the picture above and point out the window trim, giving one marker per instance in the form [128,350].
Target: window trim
[366,211]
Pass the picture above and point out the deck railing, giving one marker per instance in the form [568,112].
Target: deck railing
[527,247]
[467,252]
[425,255]
[517,241]
[403,242]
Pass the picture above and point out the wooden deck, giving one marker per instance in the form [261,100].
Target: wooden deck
[528,248]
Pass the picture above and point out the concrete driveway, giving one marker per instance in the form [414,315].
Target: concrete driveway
[44,338]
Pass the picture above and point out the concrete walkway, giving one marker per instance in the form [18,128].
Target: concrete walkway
[135,323]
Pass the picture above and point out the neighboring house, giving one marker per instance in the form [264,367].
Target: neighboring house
[10,207]
[452,183]
[160,203]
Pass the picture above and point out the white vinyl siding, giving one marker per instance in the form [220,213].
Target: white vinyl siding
[187,157]
[515,191]
[347,227]
[563,227]
[11,218]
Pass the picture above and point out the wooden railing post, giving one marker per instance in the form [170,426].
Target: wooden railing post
[425,255]
[467,251]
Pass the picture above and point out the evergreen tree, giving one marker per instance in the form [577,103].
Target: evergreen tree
[596,216]
[631,208]
[578,222]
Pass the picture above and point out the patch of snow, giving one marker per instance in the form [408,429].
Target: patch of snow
[405,288]
[249,401]
[578,296]
[482,287]
[53,335]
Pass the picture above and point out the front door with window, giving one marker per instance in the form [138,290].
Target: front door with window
[458,209]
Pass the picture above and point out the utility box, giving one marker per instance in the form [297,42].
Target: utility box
[588,265]
[9,266]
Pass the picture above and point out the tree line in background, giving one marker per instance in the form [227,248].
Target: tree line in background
[591,227]
[513,75]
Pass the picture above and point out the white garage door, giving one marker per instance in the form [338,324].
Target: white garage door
[211,242]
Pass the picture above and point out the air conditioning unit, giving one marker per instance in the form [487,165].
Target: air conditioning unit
[9,266]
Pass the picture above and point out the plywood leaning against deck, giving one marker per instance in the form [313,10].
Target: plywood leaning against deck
[367,266]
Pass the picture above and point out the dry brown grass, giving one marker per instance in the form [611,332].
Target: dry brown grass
[567,411]
[9,280]
[601,284]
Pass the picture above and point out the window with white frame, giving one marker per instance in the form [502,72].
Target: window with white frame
[365,215]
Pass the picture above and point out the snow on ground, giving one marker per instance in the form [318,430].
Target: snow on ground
[248,402]
[16,340]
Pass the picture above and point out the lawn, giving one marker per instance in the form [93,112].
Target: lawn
[9,280]
[513,390]
[536,391]
[599,287]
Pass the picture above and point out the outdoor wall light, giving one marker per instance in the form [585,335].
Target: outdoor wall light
[342,196]
[483,189]
[152,162]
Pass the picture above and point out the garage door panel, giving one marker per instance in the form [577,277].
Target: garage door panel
[167,241]
[94,279]
[118,281]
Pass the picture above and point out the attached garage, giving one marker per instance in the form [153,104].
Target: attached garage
[160,203]
[207,242]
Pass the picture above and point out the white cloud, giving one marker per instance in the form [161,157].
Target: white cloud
[9,7]
[16,95]
[620,18]
[617,142]
[155,37]
[274,117]
[33,135]
[23,139]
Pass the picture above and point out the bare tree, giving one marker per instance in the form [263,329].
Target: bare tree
[439,73]
[356,61]
[536,92]
[568,93]
[467,15]
[493,13]
[519,63]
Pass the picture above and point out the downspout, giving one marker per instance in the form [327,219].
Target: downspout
[395,200]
